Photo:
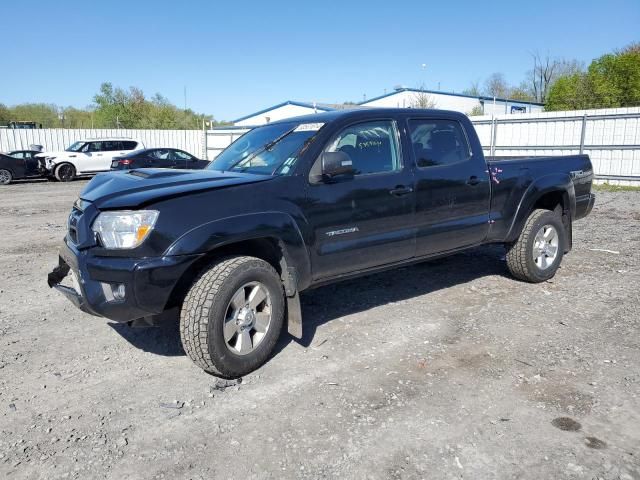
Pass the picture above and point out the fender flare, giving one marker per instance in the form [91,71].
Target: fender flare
[552,183]
[279,226]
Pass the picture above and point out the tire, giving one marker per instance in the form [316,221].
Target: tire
[6,177]
[65,172]
[213,328]
[530,259]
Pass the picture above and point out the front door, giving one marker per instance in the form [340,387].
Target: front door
[365,220]
[93,158]
[452,187]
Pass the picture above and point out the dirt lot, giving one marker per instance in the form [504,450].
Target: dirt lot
[449,369]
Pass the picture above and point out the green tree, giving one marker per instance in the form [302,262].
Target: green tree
[612,80]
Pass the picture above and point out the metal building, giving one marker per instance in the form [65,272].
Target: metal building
[401,97]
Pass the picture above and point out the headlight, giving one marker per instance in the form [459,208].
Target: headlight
[124,229]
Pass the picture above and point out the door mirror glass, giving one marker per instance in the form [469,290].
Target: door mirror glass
[336,164]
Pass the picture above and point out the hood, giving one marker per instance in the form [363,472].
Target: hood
[135,188]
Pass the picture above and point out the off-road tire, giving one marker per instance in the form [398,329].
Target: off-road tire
[58,172]
[5,177]
[204,308]
[520,259]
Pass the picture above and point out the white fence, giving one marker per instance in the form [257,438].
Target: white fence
[220,138]
[611,137]
[55,139]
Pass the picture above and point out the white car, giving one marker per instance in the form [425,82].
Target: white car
[86,157]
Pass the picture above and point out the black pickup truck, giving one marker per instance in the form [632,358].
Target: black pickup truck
[304,202]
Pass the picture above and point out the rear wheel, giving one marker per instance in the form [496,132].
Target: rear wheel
[65,172]
[232,316]
[5,177]
[536,255]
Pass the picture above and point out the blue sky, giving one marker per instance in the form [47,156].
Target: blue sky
[238,57]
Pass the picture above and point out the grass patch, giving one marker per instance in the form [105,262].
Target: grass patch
[605,187]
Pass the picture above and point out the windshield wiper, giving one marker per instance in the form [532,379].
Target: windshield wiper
[266,147]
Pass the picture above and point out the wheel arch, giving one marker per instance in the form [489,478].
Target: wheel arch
[11,172]
[552,192]
[271,236]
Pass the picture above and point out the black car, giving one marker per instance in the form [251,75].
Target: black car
[304,202]
[19,164]
[158,158]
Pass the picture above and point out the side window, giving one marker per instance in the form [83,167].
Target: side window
[372,147]
[93,147]
[438,142]
[18,155]
[161,154]
[111,146]
[178,155]
[129,145]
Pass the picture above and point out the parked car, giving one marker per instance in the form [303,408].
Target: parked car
[17,165]
[303,202]
[86,157]
[158,158]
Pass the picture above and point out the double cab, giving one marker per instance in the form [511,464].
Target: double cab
[304,202]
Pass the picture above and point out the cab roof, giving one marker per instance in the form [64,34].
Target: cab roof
[364,113]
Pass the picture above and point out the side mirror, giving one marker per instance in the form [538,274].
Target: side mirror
[336,164]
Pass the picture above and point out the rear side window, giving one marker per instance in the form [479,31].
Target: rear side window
[129,145]
[111,146]
[372,147]
[438,142]
[161,154]
[178,155]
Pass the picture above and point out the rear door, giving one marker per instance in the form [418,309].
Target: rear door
[161,158]
[452,186]
[365,220]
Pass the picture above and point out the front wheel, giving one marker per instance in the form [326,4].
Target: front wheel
[65,172]
[536,255]
[232,316]
[5,177]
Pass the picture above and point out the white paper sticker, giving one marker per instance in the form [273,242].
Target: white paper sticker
[309,127]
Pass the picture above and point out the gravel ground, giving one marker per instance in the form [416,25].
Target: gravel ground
[448,369]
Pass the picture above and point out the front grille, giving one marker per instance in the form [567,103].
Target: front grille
[72,224]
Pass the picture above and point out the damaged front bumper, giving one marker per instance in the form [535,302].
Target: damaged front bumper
[118,288]
[57,275]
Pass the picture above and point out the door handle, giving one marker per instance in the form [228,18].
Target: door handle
[401,190]
[473,180]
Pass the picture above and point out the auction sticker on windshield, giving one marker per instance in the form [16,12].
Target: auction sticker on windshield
[309,127]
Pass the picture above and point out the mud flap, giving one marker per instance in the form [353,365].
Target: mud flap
[294,316]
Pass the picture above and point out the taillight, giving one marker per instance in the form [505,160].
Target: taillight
[126,161]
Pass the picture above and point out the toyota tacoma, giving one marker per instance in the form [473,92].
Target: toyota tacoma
[303,202]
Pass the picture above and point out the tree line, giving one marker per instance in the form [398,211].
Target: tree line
[112,107]
[610,81]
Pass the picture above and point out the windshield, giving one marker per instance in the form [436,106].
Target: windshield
[75,147]
[268,150]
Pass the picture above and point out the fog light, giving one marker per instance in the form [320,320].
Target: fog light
[118,291]
[113,292]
